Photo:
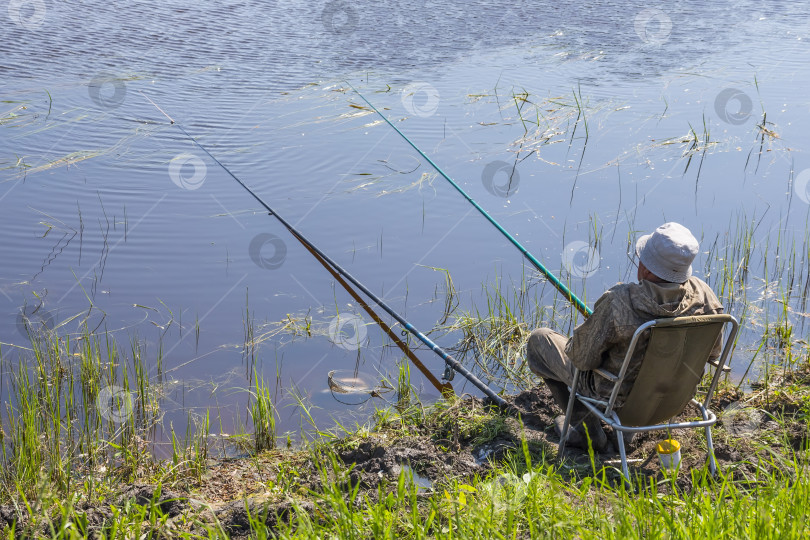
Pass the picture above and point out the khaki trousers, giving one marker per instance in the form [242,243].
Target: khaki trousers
[545,354]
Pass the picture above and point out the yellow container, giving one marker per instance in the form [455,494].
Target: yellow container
[669,452]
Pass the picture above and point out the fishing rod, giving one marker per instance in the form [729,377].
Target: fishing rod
[560,286]
[452,363]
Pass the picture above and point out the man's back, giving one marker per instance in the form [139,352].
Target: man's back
[603,339]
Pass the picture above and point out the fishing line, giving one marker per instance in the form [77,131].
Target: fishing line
[452,363]
[443,388]
[559,285]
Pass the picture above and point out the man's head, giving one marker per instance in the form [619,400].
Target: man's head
[666,254]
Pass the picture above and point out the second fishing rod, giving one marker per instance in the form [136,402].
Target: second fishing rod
[451,362]
[559,285]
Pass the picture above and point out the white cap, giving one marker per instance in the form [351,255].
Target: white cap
[668,252]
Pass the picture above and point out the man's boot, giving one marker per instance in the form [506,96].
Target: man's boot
[581,418]
[599,438]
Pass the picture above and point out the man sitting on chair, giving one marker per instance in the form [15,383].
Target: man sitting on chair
[665,288]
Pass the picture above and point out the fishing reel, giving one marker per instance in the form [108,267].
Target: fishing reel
[449,373]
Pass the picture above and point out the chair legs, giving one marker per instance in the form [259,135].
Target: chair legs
[710,444]
[568,411]
[614,422]
[623,454]
[709,441]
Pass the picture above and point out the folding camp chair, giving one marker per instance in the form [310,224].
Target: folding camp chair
[672,367]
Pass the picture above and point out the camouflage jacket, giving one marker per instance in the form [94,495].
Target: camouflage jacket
[602,340]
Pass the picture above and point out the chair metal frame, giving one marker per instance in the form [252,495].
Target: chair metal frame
[608,414]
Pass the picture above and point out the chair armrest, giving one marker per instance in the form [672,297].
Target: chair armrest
[606,374]
[726,368]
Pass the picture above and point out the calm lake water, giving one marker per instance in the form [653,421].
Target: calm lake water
[611,117]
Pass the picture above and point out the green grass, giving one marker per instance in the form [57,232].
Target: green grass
[513,501]
[538,503]
[263,415]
